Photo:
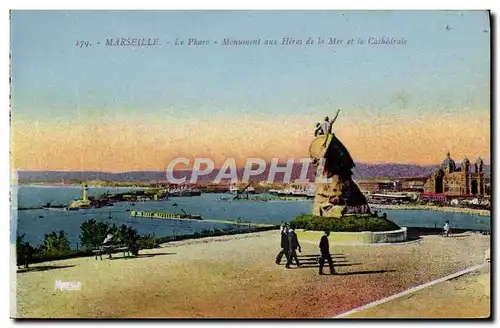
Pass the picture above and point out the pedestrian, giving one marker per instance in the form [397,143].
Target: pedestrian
[107,245]
[108,240]
[294,245]
[446,229]
[324,247]
[284,243]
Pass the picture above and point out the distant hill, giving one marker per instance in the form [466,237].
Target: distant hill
[362,171]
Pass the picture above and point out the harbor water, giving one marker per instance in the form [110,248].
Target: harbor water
[36,223]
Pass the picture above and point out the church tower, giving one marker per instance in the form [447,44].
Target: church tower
[479,166]
[448,164]
[466,173]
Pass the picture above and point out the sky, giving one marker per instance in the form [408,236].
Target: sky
[137,108]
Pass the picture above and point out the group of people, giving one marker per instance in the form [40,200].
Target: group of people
[290,244]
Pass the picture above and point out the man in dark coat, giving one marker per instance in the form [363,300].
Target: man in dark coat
[294,245]
[284,244]
[324,247]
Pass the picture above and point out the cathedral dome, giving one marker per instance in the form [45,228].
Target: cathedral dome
[449,163]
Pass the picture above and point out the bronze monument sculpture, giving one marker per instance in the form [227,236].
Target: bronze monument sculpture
[336,195]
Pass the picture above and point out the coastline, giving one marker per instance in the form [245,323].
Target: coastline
[435,208]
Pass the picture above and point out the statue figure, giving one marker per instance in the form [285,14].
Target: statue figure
[338,195]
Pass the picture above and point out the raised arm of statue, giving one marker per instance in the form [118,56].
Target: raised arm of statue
[334,119]
[328,127]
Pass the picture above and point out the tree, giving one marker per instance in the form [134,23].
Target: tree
[92,233]
[24,251]
[55,243]
[126,234]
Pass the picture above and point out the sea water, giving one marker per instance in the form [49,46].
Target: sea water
[36,223]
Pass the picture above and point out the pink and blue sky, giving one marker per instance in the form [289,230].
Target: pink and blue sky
[122,108]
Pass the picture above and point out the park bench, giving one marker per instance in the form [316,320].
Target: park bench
[110,249]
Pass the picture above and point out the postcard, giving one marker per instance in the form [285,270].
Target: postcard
[318,164]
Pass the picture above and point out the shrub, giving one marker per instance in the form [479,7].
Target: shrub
[147,242]
[54,243]
[351,223]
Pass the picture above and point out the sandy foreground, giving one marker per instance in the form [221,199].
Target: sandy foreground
[236,277]
[467,296]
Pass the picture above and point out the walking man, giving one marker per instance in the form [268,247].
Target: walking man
[324,247]
[446,229]
[284,244]
[293,244]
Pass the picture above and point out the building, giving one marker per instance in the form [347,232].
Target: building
[451,179]
[414,184]
[408,184]
[379,185]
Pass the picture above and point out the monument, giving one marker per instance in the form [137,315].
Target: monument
[337,195]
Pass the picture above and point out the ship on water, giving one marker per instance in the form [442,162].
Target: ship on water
[247,189]
[183,192]
[298,190]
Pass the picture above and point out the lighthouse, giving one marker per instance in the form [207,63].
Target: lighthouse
[84,202]
[85,192]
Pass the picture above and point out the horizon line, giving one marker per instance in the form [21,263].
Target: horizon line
[216,168]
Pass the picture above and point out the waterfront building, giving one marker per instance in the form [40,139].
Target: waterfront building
[453,179]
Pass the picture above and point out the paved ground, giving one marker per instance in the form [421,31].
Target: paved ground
[236,277]
[467,296]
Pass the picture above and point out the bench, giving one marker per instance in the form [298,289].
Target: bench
[112,249]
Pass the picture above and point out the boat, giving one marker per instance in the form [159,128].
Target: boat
[375,206]
[51,207]
[233,189]
[183,192]
[190,216]
[158,215]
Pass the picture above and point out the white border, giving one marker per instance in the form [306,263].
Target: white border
[187,4]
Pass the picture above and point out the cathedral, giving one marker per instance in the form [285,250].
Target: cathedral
[467,179]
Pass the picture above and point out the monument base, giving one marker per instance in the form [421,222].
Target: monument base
[356,238]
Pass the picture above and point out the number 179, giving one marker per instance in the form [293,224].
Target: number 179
[82,44]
